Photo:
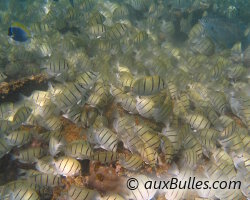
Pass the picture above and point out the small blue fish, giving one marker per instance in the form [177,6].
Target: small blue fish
[18,32]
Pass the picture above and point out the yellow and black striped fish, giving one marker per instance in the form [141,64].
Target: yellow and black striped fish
[148,85]
[79,149]
[67,166]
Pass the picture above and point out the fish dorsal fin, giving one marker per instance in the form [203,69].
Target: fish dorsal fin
[23,27]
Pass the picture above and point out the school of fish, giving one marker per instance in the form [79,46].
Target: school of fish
[176,86]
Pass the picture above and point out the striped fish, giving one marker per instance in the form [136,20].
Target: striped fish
[56,142]
[172,89]
[185,100]
[128,103]
[236,72]
[30,155]
[243,133]
[96,31]
[203,45]
[140,37]
[67,166]
[246,160]
[167,148]
[40,98]
[146,106]
[48,180]
[24,193]
[244,110]
[163,110]
[196,31]
[112,197]
[100,121]
[6,126]
[214,172]
[197,121]
[216,72]
[198,92]
[21,115]
[149,155]
[209,133]
[120,12]
[177,193]
[148,85]
[117,31]
[44,165]
[79,149]
[234,143]
[208,138]
[105,157]
[104,138]
[116,92]
[73,93]
[132,142]
[189,158]
[87,79]
[53,123]
[5,110]
[147,135]
[33,120]
[224,162]
[124,126]
[88,117]
[18,138]
[178,108]
[80,193]
[131,162]
[126,80]
[172,51]
[210,113]
[40,28]
[8,188]
[45,49]
[100,95]
[73,14]
[138,5]
[86,5]
[219,101]
[73,114]
[105,45]
[46,111]
[191,142]
[25,173]
[173,136]
[224,121]
[230,194]
[96,18]
[4,147]
[229,130]
[56,66]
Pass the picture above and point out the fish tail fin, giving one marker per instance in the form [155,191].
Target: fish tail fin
[55,146]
